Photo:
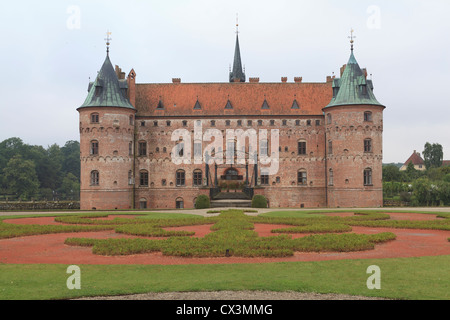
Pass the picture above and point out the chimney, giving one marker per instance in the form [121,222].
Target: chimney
[176,80]
[284,79]
[253,80]
[298,79]
[343,69]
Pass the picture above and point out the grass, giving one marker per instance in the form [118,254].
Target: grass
[402,278]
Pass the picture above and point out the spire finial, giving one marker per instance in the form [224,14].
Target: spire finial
[237,23]
[352,37]
[108,41]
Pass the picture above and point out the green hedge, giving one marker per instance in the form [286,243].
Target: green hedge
[259,201]
[202,202]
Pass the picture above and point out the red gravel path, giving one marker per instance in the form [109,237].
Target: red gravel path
[51,248]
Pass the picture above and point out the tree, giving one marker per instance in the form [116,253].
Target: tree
[433,155]
[70,187]
[391,173]
[20,177]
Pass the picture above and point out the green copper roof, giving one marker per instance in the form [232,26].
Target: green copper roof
[353,87]
[107,90]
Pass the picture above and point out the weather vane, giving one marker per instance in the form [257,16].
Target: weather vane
[108,41]
[352,37]
[237,23]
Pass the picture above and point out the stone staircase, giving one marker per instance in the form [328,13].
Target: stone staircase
[231,200]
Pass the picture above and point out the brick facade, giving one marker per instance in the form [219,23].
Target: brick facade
[329,156]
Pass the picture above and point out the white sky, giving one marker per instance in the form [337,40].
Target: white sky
[49,51]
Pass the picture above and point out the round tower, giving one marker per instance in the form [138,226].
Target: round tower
[354,141]
[106,143]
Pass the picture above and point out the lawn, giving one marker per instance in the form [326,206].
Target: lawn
[406,278]
[401,278]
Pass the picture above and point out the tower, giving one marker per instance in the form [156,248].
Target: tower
[354,128]
[237,75]
[107,142]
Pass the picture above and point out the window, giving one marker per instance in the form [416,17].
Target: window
[180,148]
[181,178]
[130,148]
[143,178]
[308,122]
[368,145]
[249,123]
[163,182]
[297,123]
[143,203]
[94,148]
[130,177]
[227,123]
[131,120]
[272,122]
[317,122]
[284,122]
[95,178]
[302,147]
[142,148]
[367,116]
[264,148]
[198,178]
[331,178]
[142,123]
[213,123]
[239,123]
[330,147]
[260,122]
[155,123]
[157,150]
[264,179]
[368,177]
[278,179]
[168,123]
[197,149]
[329,118]
[94,118]
[301,177]
[184,123]
[179,203]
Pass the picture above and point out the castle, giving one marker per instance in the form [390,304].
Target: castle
[328,140]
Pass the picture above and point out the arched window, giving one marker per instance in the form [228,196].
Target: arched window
[330,147]
[329,118]
[143,178]
[301,177]
[181,178]
[94,148]
[95,118]
[131,120]
[368,145]
[95,178]
[142,203]
[368,177]
[179,203]
[198,178]
[130,148]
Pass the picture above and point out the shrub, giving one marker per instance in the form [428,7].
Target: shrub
[202,202]
[259,201]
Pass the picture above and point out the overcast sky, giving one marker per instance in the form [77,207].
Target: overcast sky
[50,49]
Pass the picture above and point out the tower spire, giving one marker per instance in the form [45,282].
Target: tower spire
[108,42]
[237,74]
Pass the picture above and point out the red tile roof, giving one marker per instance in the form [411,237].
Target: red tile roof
[179,99]
[415,158]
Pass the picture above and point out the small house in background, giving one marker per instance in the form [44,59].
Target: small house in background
[416,160]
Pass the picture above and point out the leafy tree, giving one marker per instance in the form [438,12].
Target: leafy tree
[71,158]
[433,155]
[391,173]
[70,187]
[20,177]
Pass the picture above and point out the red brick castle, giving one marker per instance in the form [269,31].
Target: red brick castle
[329,143]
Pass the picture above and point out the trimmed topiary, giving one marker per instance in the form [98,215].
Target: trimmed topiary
[259,201]
[202,202]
